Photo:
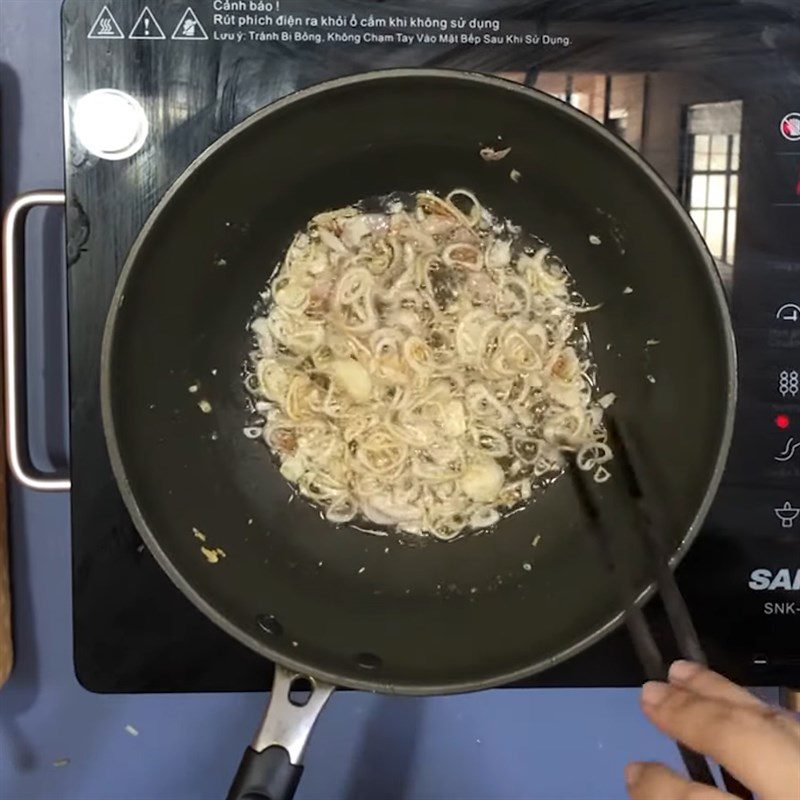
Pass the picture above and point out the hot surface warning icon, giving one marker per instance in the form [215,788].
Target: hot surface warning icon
[105,26]
[146,27]
[189,28]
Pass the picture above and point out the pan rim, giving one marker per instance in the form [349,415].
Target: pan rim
[374,683]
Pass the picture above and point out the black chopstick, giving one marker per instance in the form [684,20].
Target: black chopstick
[637,483]
[641,486]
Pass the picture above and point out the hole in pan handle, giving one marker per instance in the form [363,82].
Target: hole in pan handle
[271,767]
[16,430]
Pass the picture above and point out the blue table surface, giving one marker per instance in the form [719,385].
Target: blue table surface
[60,742]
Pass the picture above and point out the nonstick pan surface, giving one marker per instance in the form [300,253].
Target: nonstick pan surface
[421,616]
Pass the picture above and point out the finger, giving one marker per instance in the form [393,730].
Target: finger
[702,680]
[737,736]
[649,781]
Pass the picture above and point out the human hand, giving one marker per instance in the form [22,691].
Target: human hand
[757,744]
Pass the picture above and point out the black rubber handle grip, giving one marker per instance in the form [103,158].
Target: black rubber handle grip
[269,775]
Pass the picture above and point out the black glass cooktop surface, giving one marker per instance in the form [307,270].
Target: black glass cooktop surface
[707,92]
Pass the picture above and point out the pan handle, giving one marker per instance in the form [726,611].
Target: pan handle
[16,430]
[271,767]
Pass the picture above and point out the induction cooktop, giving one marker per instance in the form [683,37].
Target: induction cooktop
[707,92]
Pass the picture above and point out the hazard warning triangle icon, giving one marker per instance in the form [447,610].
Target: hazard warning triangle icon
[105,26]
[190,28]
[146,27]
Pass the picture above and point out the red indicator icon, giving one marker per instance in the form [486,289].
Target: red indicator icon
[790,127]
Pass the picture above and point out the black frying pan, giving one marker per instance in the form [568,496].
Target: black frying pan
[429,617]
